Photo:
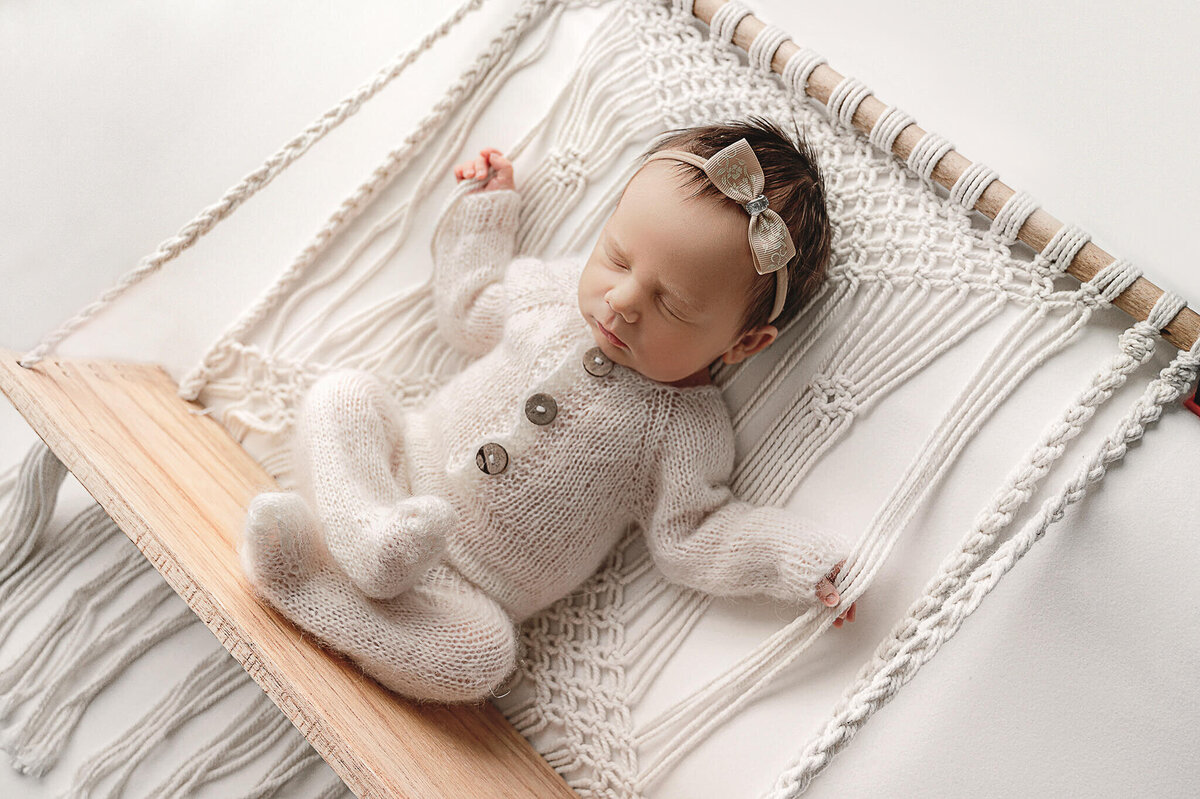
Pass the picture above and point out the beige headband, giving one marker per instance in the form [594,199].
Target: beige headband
[736,172]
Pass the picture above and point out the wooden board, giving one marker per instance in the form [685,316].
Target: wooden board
[178,485]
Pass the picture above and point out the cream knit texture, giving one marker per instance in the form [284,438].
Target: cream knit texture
[401,551]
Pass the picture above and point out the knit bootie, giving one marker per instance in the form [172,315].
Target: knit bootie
[393,554]
[280,540]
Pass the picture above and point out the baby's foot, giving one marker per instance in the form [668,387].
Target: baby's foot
[280,539]
[408,541]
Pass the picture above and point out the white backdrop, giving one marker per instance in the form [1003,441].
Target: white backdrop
[1076,676]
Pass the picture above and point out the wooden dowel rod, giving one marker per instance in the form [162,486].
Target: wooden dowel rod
[1137,300]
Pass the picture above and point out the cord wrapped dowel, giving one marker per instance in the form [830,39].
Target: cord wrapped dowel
[1037,231]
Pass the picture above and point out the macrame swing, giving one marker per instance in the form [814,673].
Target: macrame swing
[175,467]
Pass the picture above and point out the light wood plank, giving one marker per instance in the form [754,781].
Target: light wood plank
[178,485]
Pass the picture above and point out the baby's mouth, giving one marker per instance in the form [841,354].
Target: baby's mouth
[616,341]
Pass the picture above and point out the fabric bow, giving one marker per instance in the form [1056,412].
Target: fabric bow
[736,172]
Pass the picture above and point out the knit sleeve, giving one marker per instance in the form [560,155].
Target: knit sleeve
[702,536]
[472,246]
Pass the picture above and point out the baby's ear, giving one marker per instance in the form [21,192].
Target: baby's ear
[752,341]
[759,339]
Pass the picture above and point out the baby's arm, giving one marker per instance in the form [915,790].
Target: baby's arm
[702,536]
[472,246]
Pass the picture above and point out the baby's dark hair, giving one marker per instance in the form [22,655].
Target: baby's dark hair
[794,189]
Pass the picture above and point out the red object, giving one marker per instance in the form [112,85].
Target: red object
[1191,404]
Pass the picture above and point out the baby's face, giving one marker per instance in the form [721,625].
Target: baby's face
[671,278]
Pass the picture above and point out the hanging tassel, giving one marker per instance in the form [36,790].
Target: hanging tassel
[34,560]
[245,738]
[31,506]
[213,678]
[39,574]
[68,670]
[299,756]
[40,744]
[70,624]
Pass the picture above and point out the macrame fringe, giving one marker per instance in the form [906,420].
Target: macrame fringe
[243,740]
[296,759]
[211,680]
[67,629]
[73,658]
[32,503]
[45,568]
[40,742]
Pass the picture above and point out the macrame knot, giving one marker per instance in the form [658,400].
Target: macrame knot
[566,166]
[834,395]
[1136,342]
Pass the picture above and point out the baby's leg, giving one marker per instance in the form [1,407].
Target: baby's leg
[349,451]
[444,640]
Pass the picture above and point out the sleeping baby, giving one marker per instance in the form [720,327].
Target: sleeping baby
[419,539]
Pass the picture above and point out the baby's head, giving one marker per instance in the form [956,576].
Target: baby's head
[672,274]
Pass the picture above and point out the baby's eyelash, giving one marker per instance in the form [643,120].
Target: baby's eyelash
[672,313]
[666,307]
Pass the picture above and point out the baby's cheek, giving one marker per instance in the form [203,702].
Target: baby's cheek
[587,285]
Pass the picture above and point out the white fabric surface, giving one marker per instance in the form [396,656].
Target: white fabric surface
[1075,677]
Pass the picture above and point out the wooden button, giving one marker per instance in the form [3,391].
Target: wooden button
[491,458]
[596,362]
[541,408]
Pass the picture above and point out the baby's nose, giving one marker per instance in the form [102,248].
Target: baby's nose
[621,308]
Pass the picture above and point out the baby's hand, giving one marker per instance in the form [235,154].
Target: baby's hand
[829,595]
[502,169]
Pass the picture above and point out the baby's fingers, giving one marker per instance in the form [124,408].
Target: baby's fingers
[465,170]
[474,168]
[826,592]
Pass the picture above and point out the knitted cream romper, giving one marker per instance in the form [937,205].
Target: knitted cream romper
[419,539]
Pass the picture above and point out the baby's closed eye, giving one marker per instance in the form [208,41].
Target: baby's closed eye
[673,313]
[661,299]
